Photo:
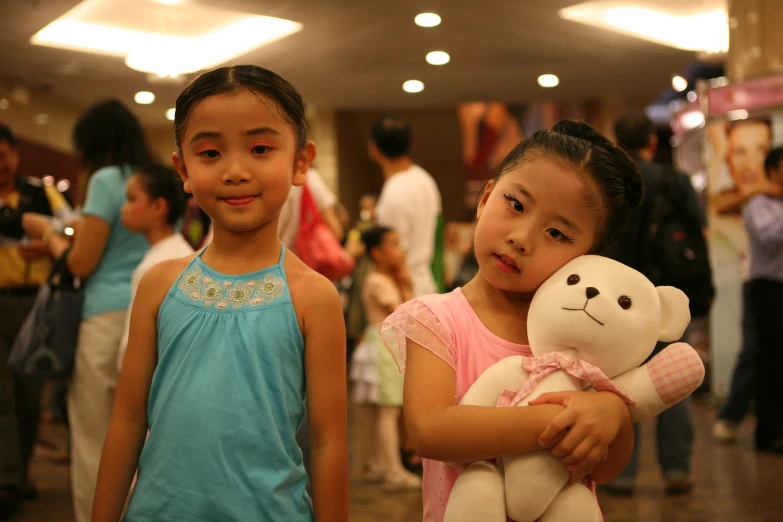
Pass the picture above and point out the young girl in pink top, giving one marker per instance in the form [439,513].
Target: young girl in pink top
[559,194]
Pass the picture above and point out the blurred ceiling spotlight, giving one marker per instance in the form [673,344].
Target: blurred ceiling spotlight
[170,114]
[438,58]
[427,20]
[692,96]
[413,86]
[679,83]
[548,81]
[144,97]
[48,180]
[63,185]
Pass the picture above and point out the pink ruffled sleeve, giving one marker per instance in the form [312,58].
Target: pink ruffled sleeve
[415,320]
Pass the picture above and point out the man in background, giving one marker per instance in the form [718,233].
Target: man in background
[24,266]
[747,145]
[635,134]
[409,203]
[763,220]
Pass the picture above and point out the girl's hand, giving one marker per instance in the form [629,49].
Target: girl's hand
[581,435]
[36,225]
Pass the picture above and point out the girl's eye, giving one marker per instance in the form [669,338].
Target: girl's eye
[209,153]
[260,149]
[515,204]
[559,236]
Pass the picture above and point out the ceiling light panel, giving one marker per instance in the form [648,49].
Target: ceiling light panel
[427,20]
[682,25]
[167,40]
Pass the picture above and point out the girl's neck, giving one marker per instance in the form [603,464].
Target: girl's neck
[503,313]
[385,270]
[236,253]
[158,233]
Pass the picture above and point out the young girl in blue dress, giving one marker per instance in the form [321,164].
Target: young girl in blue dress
[225,345]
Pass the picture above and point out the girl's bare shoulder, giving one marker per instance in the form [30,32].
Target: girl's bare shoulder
[159,278]
[310,291]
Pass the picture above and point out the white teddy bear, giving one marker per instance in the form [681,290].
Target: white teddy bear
[590,325]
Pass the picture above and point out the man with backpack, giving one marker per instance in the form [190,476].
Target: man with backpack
[666,242]
[24,267]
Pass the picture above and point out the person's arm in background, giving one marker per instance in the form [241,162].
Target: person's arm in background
[62,214]
[329,216]
[92,230]
[733,200]
[326,202]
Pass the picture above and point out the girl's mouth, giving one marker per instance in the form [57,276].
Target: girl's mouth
[239,201]
[505,264]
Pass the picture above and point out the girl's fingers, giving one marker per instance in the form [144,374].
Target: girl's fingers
[594,457]
[580,452]
[576,436]
[552,398]
[559,424]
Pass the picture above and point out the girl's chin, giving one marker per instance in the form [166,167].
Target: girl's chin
[519,286]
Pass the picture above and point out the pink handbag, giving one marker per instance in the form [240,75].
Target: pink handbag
[317,246]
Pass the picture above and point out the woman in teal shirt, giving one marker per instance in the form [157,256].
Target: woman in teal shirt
[110,143]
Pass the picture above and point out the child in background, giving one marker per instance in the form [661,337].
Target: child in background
[224,345]
[154,202]
[377,380]
[559,194]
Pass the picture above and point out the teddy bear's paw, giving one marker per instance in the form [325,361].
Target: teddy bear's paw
[676,372]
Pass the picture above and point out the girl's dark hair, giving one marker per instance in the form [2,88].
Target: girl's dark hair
[579,145]
[373,238]
[109,134]
[164,182]
[251,77]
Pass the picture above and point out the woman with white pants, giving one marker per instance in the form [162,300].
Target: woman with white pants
[110,143]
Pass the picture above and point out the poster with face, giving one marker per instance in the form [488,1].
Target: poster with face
[735,156]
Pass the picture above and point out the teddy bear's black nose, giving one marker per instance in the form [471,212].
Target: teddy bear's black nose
[591,292]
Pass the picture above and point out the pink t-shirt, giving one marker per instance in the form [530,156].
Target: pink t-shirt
[448,326]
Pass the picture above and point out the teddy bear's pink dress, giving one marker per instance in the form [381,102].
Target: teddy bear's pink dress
[448,327]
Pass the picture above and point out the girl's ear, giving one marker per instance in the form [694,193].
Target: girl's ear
[304,158]
[484,197]
[179,164]
[161,208]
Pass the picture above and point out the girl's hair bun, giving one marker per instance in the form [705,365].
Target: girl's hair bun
[581,130]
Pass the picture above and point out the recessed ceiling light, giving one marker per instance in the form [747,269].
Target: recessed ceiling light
[413,86]
[203,37]
[427,20]
[144,98]
[170,114]
[679,83]
[548,80]
[679,26]
[692,96]
[438,58]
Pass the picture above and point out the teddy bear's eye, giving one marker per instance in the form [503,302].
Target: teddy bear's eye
[624,302]
[573,279]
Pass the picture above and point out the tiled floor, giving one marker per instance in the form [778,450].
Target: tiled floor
[734,484]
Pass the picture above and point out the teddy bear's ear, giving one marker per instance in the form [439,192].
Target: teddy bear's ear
[675,314]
